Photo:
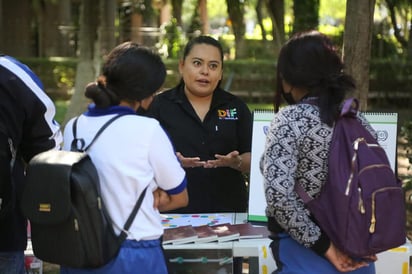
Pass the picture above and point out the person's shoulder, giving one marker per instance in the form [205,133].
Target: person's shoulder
[148,122]
[226,94]
[299,107]
[165,97]
[167,94]
[10,63]
[299,111]
[141,119]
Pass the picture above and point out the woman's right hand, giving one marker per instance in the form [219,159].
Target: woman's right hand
[342,261]
[189,161]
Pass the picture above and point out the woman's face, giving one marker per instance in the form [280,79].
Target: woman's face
[201,70]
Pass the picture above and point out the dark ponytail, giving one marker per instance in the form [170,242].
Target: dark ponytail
[332,92]
[130,73]
[101,96]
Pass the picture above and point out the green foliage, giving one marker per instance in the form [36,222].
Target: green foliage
[64,76]
[57,74]
[390,76]
[195,23]
[390,80]
[406,132]
[331,30]
[257,49]
[385,47]
[333,10]
[188,7]
[215,10]
[172,40]
[61,109]
[306,15]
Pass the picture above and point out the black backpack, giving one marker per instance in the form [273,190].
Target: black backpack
[8,154]
[70,225]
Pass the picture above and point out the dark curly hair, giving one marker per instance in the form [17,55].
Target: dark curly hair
[310,61]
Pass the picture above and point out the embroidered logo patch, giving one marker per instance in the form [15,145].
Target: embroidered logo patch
[227,114]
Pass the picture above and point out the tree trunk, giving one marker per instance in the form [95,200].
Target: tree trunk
[277,12]
[85,71]
[409,46]
[66,30]
[306,15]
[145,24]
[106,33]
[48,29]
[177,11]
[357,41]
[397,31]
[16,35]
[258,9]
[203,16]
[235,9]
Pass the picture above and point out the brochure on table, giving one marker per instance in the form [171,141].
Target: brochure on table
[175,220]
[385,124]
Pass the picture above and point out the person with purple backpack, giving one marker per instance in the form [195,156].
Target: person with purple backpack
[309,69]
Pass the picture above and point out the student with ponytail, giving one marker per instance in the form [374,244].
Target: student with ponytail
[132,153]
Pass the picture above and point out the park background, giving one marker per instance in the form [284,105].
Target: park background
[65,41]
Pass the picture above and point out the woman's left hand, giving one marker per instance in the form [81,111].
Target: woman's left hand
[231,159]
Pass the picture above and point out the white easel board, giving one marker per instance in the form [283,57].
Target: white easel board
[385,124]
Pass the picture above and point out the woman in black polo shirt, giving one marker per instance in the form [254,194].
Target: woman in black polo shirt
[210,129]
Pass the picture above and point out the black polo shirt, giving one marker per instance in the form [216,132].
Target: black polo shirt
[226,127]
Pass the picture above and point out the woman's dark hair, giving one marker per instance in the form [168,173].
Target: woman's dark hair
[309,61]
[202,39]
[130,72]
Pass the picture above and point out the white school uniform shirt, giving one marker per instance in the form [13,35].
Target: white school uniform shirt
[132,153]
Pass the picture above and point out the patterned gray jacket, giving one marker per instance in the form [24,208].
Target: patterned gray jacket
[296,149]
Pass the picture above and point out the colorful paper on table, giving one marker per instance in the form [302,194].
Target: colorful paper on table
[174,220]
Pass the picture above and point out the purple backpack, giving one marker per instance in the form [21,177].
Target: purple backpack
[361,206]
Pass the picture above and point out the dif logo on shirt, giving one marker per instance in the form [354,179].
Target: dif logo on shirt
[227,114]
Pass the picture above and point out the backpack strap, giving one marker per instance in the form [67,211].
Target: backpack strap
[350,107]
[123,233]
[76,141]
[74,147]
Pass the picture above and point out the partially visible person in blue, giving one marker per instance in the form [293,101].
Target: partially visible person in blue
[210,129]
[309,68]
[27,118]
[132,153]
